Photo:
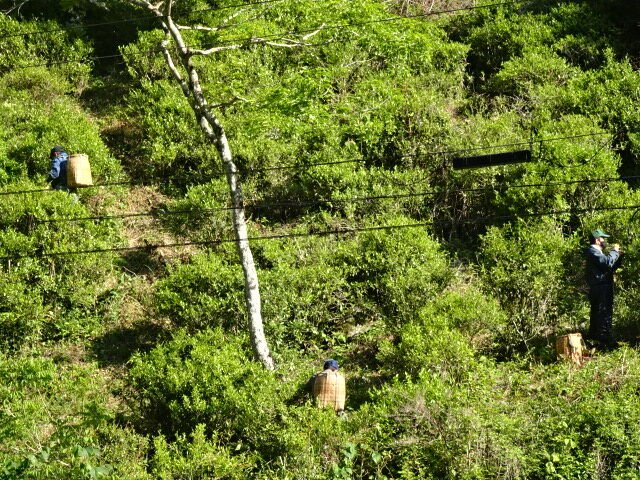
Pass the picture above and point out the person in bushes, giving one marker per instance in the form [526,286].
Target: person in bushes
[307,391]
[330,365]
[600,269]
[57,176]
[328,387]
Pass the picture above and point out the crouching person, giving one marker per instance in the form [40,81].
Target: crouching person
[328,387]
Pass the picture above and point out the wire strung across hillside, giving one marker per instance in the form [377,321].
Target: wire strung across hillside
[42,190]
[436,152]
[336,231]
[201,212]
[133,19]
[359,160]
[242,40]
[153,213]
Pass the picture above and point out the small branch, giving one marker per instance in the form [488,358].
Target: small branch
[16,7]
[199,28]
[280,45]
[254,41]
[312,34]
[209,51]
[174,69]
[235,99]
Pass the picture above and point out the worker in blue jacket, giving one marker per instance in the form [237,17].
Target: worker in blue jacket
[58,173]
[600,269]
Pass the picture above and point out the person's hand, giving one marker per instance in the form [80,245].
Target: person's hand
[616,247]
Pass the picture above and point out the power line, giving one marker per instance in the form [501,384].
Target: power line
[327,201]
[40,190]
[336,231]
[338,201]
[133,19]
[359,160]
[154,213]
[434,153]
[232,41]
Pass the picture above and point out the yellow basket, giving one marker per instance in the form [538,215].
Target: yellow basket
[79,171]
[329,390]
[571,347]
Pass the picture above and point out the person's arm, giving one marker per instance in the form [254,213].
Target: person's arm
[309,385]
[604,262]
[616,263]
[55,169]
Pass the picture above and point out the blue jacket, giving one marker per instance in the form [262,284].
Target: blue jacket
[58,174]
[600,267]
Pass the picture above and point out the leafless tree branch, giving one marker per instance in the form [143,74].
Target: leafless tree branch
[313,34]
[15,7]
[172,67]
[283,43]
[201,28]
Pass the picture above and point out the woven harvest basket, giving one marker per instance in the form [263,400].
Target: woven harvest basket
[79,171]
[329,390]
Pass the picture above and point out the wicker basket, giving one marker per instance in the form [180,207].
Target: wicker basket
[79,171]
[329,390]
[571,347]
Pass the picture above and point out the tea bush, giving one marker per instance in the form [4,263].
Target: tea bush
[203,392]
[56,424]
[503,420]
[524,268]
[445,335]
[51,45]
[206,293]
[44,295]
[54,119]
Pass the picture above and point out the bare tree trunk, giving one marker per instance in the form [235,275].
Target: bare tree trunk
[213,130]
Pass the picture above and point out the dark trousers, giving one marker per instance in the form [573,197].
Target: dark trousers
[601,317]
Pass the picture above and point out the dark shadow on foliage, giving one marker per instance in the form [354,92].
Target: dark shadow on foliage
[117,346]
[142,262]
[362,372]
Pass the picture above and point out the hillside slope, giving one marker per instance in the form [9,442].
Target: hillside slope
[124,346]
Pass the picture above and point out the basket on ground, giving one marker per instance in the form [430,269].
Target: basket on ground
[571,347]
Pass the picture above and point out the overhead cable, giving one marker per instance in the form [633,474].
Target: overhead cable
[232,40]
[359,160]
[40,190]
[133,19]
[201,212]
[434,153]
[335,231]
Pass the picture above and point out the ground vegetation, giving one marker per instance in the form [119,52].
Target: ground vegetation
[124,338]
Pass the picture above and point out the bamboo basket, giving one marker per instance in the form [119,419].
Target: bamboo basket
[571,347]
[329,390]
[79,171]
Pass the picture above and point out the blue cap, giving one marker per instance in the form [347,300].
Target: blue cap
[599,234]
[331,363]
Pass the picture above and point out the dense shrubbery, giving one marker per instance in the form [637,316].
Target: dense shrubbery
[56,423]
[444,329]
[204,392]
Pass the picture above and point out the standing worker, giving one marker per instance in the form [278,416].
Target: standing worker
[600,269]
[57,176]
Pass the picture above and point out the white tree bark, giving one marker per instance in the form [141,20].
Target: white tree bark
[213,130]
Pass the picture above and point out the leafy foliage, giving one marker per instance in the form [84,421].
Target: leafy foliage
[444,328]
